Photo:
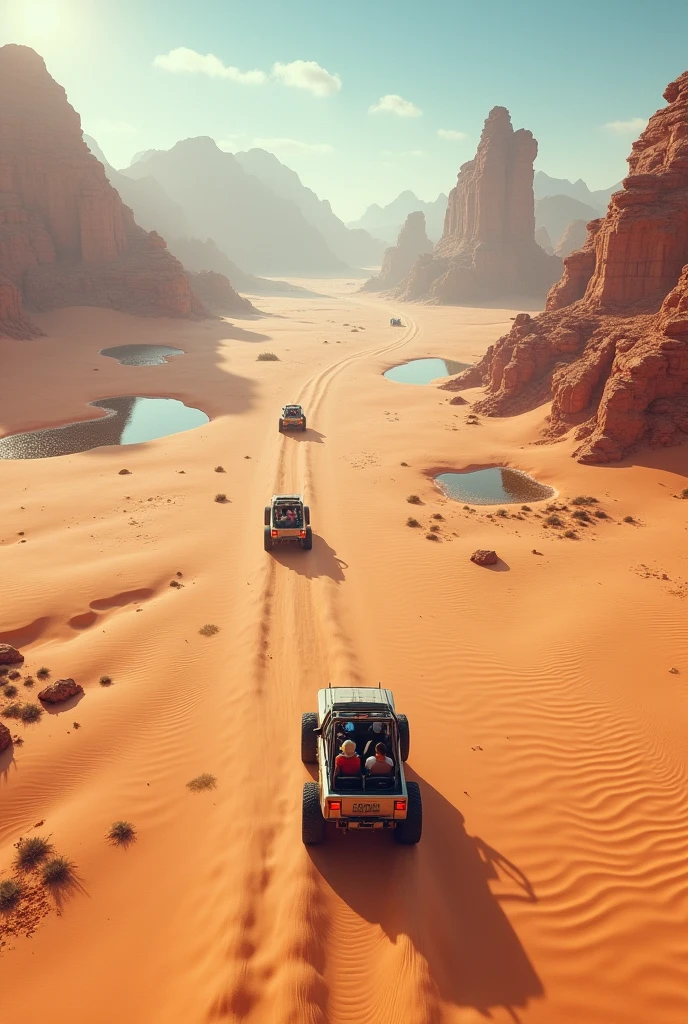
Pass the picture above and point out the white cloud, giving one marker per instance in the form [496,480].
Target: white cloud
[309,147]
[185,61]
[633,126]
[306,74]
[392,104]
[451,135]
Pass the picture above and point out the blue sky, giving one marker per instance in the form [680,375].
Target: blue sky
[583,77]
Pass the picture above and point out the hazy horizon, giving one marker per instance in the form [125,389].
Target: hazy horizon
[363,104]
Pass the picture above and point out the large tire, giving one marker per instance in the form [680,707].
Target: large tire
[304,423]
[408,832]
[312,821]
[267,539]
[307,542]
[281,425]
[309,741]
[404,736]
[266,515]
[306,515]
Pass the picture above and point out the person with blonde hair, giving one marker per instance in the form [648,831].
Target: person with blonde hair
[348,762]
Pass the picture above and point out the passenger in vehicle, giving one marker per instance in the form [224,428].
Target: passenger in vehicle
[377,733]
[379,763]
[348,762]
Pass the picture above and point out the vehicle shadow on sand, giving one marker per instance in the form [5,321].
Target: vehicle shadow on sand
[439,894]
[321,560]
[314,436]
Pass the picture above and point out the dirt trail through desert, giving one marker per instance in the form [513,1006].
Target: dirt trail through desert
[548,732]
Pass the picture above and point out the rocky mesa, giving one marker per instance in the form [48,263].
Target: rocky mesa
[611,349]
[399,259]
[488,249]
[65,236]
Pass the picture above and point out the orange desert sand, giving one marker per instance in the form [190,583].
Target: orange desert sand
[547,726]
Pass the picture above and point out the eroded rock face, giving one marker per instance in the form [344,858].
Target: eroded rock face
[488,248]
[65,236]
[398,259]
[611,350]
[216,293]
[61,689]
[10,655]
[5,737]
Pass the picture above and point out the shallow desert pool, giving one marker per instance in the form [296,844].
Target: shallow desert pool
[424,371]
[497,485]
[141,355]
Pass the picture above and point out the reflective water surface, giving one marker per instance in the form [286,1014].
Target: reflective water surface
[494,486]
[424,371]
[141,355]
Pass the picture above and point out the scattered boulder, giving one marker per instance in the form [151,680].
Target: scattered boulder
[10,655]
[61,689]
[5,737]
[484,557]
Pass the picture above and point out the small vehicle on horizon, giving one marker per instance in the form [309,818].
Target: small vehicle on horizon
[293,417]
[367,800]
[395,322]
[287,519]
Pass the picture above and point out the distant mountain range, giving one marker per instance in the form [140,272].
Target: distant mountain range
[559,202]
[387,221]
[544,186]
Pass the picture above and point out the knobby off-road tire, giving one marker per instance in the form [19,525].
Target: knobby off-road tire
[266,515]
[307,542]
[281,426]
[267,538]
[304,423]
[309,741]
[408,832]
[306,515]
[404,736]
[312,821]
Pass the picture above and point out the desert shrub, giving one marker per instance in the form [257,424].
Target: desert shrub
[267,357]
[29,682]
[584,499]
[413,499]
[502,512]
[209,629]
[222,498]
[105,680]
[121,833]
[601,514]
[125,472]
[201,782]
[43,672]
[30,712]
[434,529]
[58,872]
[219,469]
[10,690]
[431,536]
[629,519]
[684,492]
[412,522]
[10,892]
[403,464]
[14,674]
[12,710]
[571,534]
[554,521]
[580,513]
[31,852]
[526,508]
[438,516]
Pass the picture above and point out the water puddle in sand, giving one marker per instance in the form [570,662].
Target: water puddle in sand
[129,420]
[494,486]
[142,355]
[424,371]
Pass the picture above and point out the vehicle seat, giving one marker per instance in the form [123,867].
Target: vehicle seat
[348,784]
[378,782]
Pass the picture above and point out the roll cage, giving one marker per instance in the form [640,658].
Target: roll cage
[362,718]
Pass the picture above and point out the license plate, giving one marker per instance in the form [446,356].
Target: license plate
[366,808]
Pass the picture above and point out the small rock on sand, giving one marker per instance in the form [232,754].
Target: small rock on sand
[60,690]
[10,655]
[5,737]
[484,557]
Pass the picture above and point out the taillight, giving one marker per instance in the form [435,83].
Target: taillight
[335,805]
[273,532]
[302,533]
[399,805]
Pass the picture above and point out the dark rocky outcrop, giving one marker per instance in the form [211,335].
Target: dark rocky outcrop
[60,690]
[10,655]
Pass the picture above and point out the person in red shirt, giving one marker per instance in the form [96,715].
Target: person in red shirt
[348,762]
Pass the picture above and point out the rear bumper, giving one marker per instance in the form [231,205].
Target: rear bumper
[359,824]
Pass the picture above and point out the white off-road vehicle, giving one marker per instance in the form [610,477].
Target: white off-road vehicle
[366,800]
[287,519]
[293,418]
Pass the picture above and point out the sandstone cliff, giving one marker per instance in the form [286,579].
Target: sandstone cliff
[611,351]
[488,249]
[66,239]
[399,258]
[216,293]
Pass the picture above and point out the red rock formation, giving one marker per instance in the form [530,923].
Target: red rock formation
[5,737]
[65,236]
[488,247]
[217,294]
[10,655]
[612,348]
[483,556]
[399,259]
[61,689]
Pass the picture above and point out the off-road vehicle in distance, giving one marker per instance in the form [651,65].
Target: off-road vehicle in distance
[287,519]
[395,322]
[293,417]
[368,800]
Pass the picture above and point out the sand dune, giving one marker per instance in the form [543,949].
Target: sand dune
[548,732]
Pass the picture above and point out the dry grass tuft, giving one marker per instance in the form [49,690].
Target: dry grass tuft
[209,629]
[202,782]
